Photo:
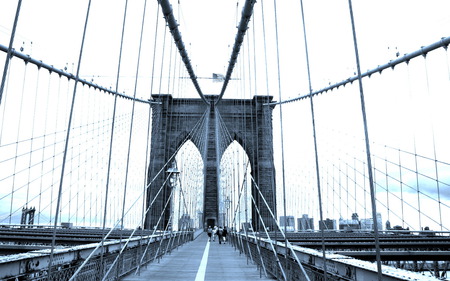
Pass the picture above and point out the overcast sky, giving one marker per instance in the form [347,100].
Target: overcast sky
[51,31]
[54,27]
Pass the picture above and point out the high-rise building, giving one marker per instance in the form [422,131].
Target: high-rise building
[354,223]
[288,221]
[327,224]
[367,224]
[305,223]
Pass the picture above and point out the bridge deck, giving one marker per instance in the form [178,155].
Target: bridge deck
[200,260]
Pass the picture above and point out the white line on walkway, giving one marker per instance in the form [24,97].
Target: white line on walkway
[202,268]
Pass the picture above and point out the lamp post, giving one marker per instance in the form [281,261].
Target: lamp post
[173,173]
[227,206]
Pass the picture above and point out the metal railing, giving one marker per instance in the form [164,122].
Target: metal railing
[34,265]
[339,267]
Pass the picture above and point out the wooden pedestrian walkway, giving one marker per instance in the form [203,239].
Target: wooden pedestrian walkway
[200,260]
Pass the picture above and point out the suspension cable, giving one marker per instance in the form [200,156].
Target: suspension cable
[247,12]
[58,202]
[111,230]
[283,176]
[131,235]
[443,43]
[288,244]
[366,134]
[173,26]
[50,68]
[10,49]
[150,121]
[319,192]
[108,171]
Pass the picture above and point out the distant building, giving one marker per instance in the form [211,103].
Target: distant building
[327,224]
[288,221]
[349,224]
[354,223]
[305,223]
[367,224]
[388,225]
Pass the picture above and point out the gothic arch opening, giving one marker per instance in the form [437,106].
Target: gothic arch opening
[235,187]
[187,201]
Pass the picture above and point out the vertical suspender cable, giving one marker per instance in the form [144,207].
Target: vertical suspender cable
[113,122]
[17,140]
[268,94]
[281,122]
[58,202]
[265,48]
[319,193]
[32,138]
[436,169]
[138,271]
[162,60]
[247,12]
[9,54]
[173,26]
[366,134]
[132,112]
[165,191]
[44,148]
[415,149]
[147,186]
[131,132]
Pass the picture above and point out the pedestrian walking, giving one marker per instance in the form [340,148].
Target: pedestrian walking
[220,234]
[224,234]
[210,232]
[214,232]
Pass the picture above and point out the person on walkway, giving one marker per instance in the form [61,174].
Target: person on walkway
[224,234]
[209,231]
[214,232]
[220,234]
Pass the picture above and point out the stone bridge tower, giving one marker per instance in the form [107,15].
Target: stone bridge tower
[249,122]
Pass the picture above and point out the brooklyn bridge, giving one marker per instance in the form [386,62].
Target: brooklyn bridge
[315,132]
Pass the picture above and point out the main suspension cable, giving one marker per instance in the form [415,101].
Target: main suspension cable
[173,26]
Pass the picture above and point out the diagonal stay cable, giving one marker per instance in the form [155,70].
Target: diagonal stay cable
[73,277]
[288,244]
[271,243]
[192,133]
[131,235]
[264,227]
[173,26]
[258,247]
[128,240]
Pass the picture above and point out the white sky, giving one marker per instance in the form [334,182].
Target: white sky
[208,30]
